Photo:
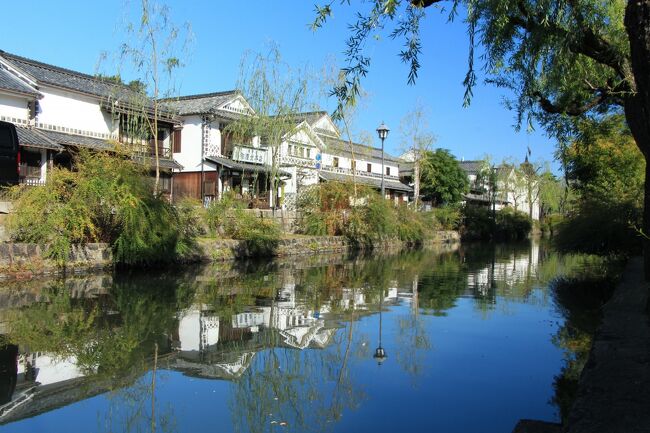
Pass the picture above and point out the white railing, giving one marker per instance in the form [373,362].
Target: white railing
[296,160]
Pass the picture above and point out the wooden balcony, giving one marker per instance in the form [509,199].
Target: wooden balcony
[149,149]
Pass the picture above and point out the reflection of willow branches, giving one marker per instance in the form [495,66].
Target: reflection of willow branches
[289,387]
[128,411]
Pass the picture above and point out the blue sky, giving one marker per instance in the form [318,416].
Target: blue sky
[74,33]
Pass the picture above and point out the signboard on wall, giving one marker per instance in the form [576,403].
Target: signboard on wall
[248,154]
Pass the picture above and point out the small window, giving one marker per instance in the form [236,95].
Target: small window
[369,168]
[335,162]
[387,171]
[302,152]
[308,153]
[177,140]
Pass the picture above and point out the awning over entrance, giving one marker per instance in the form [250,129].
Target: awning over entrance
[31,137]
[244,166]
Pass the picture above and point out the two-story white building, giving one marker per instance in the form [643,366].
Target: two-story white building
[311,152]
[57,110]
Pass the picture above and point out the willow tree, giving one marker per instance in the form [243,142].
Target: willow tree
[277,94]
[153,47]
[562,59]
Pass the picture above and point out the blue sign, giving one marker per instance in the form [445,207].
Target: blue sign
[318,157]
[318,166]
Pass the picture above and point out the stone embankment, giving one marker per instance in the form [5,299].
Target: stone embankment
[25,261]
[614,388]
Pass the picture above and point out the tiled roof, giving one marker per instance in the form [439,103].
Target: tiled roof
[337,146]
[31,137]
[101,144]
[162,162]
[206,103]
[9,81]
[77,140]
[243,166]
[69,79]
[471,167]
[107,90]
[370,181]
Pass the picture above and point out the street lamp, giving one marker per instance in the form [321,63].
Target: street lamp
[382,131]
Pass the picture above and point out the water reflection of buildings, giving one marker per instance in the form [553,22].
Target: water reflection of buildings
[517,267]
[224,347]
[206,342]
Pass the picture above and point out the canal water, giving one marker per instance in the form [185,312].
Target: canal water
[467,339]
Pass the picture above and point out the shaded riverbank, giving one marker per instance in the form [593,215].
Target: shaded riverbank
[613,392]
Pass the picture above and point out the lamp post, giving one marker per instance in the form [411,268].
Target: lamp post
[382,131]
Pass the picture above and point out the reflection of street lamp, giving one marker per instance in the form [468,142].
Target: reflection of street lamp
[380,353]
[382,131]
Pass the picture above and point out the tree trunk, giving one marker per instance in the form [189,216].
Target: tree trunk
[637,106]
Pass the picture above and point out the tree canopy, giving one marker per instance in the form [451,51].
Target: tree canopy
[443,180]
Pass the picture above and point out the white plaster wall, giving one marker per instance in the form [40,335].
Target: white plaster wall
[14,106]
[73,110]
[191,138]
[362,164]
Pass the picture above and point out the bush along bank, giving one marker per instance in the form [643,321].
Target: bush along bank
[108,199]
[364,218]
[507,224]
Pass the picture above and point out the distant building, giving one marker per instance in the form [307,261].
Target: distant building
[512,188]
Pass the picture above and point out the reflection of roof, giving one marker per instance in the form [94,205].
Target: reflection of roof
[337,146]
[31,137]
[370,181]
[483,198]
[10,82]
[243,166]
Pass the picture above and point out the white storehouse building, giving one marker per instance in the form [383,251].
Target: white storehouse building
[313,151]
[58,110]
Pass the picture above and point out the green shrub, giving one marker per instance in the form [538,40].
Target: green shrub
[332,209]
[512,224]
[107,198]
[509,224]
[227,217]
[477,223]
[447,217]
[600,228]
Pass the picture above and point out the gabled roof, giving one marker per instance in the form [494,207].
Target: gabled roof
[205,103]
[9,81]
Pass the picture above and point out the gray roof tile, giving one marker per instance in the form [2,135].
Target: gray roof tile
[9,81]
[206,103]
[31,137]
